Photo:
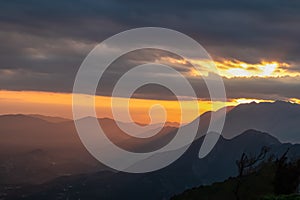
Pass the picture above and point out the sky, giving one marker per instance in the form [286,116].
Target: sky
[254,44]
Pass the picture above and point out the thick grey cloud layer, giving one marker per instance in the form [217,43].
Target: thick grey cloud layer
[44,42]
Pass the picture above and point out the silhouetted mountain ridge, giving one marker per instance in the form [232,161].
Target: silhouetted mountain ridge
[280,119]
[187,172]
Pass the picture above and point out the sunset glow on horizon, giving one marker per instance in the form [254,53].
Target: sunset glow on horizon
[60,104]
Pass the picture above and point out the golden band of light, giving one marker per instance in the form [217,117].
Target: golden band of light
[60,104]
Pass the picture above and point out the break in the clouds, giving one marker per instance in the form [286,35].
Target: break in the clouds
[44,42]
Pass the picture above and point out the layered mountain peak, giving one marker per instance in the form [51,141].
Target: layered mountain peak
[252,136]
[280,119]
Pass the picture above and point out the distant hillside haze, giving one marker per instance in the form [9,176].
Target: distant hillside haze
[280,119]
[36,148]
[49,118]
[187,172]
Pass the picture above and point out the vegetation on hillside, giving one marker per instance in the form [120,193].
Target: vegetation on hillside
[271,179]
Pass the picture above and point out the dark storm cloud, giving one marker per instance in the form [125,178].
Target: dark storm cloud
[44,42]
[247,24]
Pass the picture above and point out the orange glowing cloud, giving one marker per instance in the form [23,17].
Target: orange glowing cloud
[174,60]
[264,69]
[249,100]
[294,100]
[234,68]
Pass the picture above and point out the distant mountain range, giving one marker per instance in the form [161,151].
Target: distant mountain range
[36,149]
[280,119]
[49,118]
[187,172]
[33,150]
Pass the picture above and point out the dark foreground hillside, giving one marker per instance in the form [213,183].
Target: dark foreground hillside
[276,180]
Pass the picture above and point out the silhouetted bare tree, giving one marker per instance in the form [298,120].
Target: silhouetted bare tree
[246,162]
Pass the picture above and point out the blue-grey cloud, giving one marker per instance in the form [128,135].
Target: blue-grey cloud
[44,42]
